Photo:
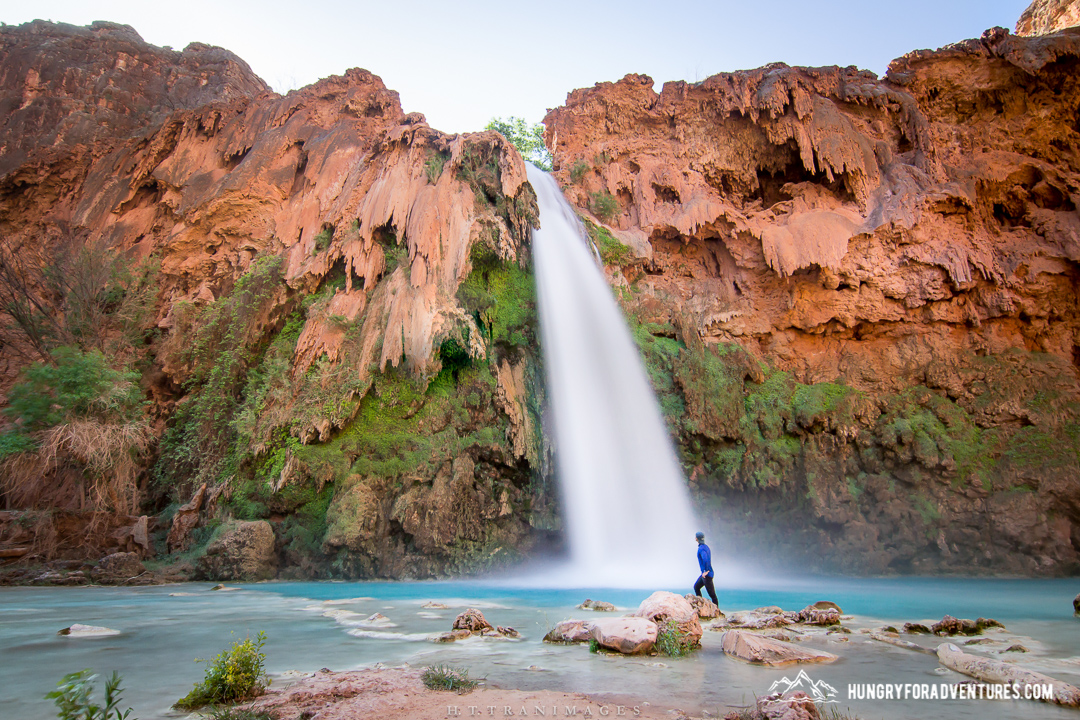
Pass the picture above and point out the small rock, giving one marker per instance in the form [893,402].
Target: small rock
[916,629]
[979,641]
[597,605]
[827,605]
[508,632]
[1015,648]
[435,605]
[78,630]
[890,630]
[452,636]
[472,620]
[1076,605]
[769,610]
[839,629]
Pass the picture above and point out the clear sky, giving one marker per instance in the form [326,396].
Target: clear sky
[463,63]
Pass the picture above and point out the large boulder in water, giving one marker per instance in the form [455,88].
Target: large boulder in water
[664,607]
[472,620]
[760,650]
[704,607]
[628,635]
[570,631]
[244,552]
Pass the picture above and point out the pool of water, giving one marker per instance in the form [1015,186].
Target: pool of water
[314,625]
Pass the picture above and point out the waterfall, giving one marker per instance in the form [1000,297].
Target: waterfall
[625,504]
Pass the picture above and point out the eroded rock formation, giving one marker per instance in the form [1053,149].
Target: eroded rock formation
[1047,16]
[858,297]
[331,281]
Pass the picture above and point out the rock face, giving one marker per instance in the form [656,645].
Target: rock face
[244,552]
[471,620]
[863,294]
[342,252]
[1048,16]
[118,567]
[754,648]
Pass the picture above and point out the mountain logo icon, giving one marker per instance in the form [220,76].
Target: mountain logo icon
[819,690]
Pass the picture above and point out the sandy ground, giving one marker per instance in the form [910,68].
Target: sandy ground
[399,694]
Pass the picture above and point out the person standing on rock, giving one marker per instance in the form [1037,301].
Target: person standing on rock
[704,558]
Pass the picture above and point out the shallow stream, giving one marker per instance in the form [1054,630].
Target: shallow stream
[314,625]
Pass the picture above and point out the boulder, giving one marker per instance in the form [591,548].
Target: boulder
[827,605]
[1076,605]
[570,631]
[627,635]
[598,605]
[452,636]
[472,620]
[995,671]
[664,607]
[760,650]
[916,629]
[703,607]
[792,706]
[117,568]
[243,552]
[949,626]
[814,615]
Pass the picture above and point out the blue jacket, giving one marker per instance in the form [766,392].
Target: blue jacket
[704,559]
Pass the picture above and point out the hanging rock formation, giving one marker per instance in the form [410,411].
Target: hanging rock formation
[858,297]
[1047,16]
[331,281]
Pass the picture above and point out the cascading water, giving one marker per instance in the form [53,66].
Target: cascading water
[626,508]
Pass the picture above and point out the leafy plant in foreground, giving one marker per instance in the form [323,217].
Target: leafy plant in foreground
[73,694]
[235,675]
[671,642]
[444,677]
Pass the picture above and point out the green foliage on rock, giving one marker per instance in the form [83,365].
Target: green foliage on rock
[502,298]
[74,693]
[528,139]
[603,204]
[671,642]
[578,171]
[612,252]
[236,674]
[219,346]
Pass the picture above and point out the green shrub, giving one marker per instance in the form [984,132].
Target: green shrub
[444,677]
[671,642]
[434,166]
[578,170]
[73,698]
[323,239]
[235,675]
[594,645]
[603,205]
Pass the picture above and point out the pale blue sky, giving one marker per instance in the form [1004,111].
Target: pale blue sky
[463,63]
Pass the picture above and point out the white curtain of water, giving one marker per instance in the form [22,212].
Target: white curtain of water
[626,508]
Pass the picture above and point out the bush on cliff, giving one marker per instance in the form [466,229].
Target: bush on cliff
[235,675]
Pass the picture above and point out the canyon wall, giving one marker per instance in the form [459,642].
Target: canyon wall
[305,325]
[334,314]
[858,297]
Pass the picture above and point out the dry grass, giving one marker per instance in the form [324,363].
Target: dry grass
[109,454]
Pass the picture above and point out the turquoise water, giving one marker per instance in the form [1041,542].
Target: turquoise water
[308,626]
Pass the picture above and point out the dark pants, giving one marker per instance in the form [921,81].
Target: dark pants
[707,583]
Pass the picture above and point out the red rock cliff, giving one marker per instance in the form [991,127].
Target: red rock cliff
[893,250]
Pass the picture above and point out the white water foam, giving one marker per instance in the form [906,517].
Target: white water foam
[625,504]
